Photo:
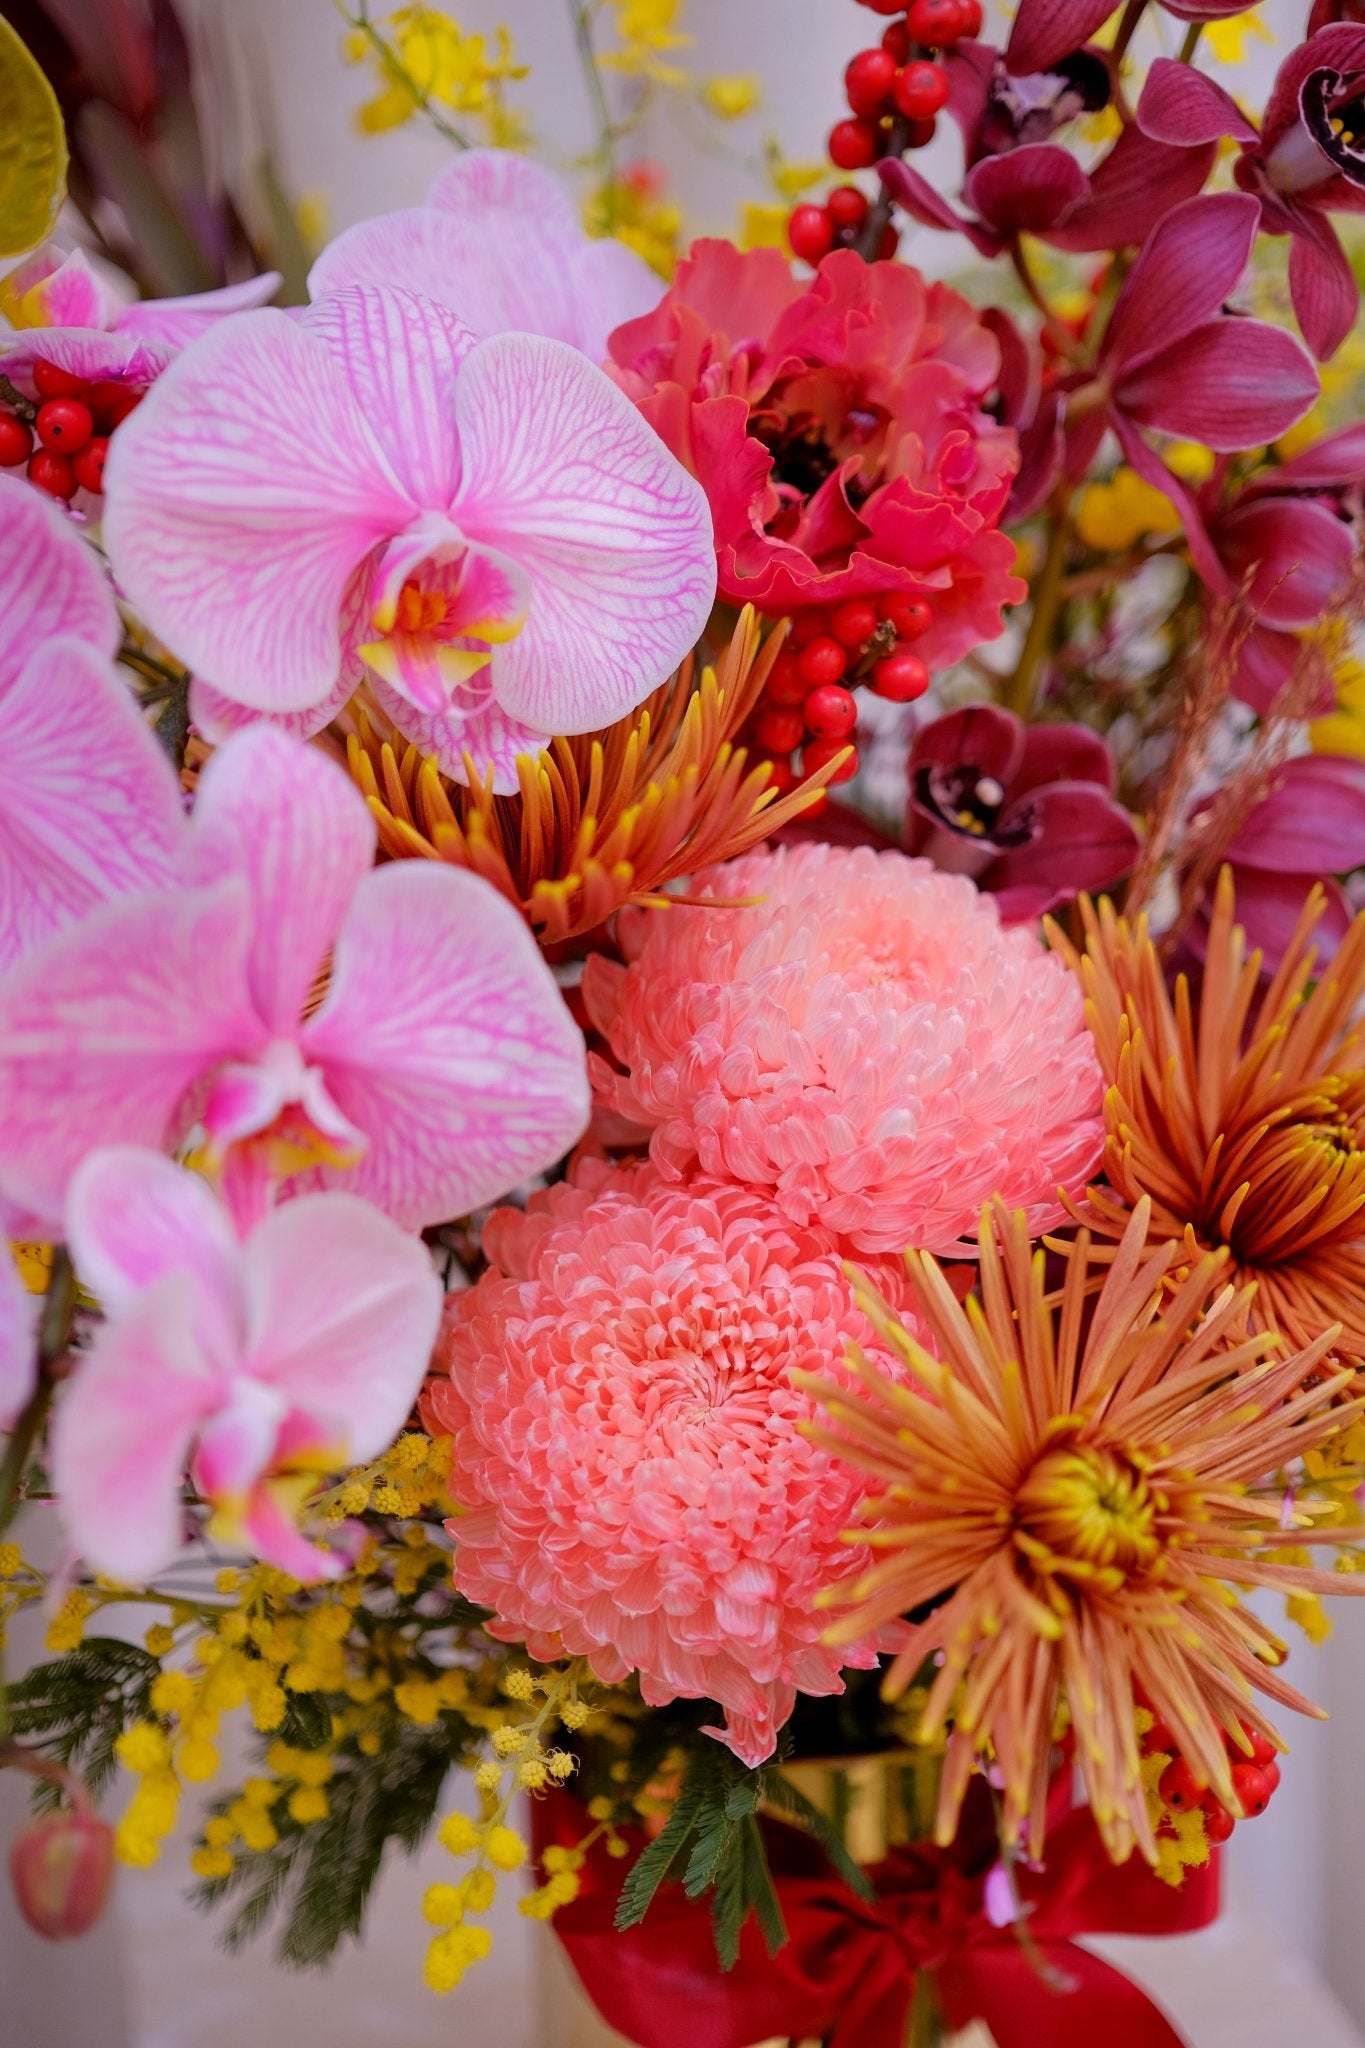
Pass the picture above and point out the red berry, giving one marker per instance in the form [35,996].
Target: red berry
[888,242]
[1263,1750]
[883,6]
[64,424]
[921,134]
[806,626]
[1158,1738]
[868,78]
[823,661]
[854,622]
[1271,1773]
[816,753]
[778,731]
[972,20]
[896,39]
[1251,1788]
[781,774]
[16,441]
[1218,1823]
[847,207]
[830,713]
[111,402]
[52,473]
[921,89]
[1179,1787]
[50,382]
[61,1868]
[910,616]
[936,22]
[89,464]
[901,677]
[853,145]
[786,685]
[810,231]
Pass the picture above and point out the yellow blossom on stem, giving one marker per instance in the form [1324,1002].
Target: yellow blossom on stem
[731,98]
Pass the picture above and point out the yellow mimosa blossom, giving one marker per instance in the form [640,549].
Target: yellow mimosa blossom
[734,97]
[648,30]
[763,225]
[423,57]
[1228,39]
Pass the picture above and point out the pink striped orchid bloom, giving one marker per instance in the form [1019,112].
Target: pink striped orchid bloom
[489,528]
[89,804]
[393,1030]
[255,1364]
[499,243]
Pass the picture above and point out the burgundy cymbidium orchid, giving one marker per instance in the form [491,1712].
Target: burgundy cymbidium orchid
[1307,160]
[1045,30]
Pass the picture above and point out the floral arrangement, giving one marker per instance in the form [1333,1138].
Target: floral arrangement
[681,1002]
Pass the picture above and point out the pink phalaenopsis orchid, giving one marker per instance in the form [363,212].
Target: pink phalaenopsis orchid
[499,244]
[489,528]
[250,1363]
[395,1029]
[60,310]
[1299,164]
[89,804]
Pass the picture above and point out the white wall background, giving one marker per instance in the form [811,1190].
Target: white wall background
[151,1977]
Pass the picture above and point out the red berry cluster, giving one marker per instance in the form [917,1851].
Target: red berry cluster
[1255,1775]
[808,700]
[895,93]
[71,420]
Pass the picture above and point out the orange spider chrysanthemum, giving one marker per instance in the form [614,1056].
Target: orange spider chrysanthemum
[1070,1481]
[1241,1116]
[604,818]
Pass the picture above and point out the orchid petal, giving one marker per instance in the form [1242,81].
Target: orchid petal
[400,354]
[444,1038]
[1026,190]
[18,1342]
[611,285]
[1269,907]
[563,474]
[179,321]
[241,496]
[1290,557]
[1045,30]
[72,295]
[473,725]
[85,352]
[1131,187]
[1311,821]
[1181,105]
[1231,384]
[1191,262]
[1322,284]
[123,1432]
[352,1358]
[1149,466]
[105,1026]
[511,270]
[1083,840]
[51,583]
[236,1444]
[294,824]
[90,805]
[216,717]
[924,204]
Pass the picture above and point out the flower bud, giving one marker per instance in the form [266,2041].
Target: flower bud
[61,1868]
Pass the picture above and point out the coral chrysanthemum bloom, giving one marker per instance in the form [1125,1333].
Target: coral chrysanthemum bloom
[1074,1494]
[864,1040]
[634,1481]
[1241,1116]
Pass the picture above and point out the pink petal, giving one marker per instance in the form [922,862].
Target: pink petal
[610,285]
[1026,190]
[1322,284]
[1190,263]
[925,204]
[1152,469]
[123,1432]
[1179,104]
[89,807]
[1311,821]
[18,1342]
[71,295]
[1291,556]
[563,475]
[444,1038]
[240,498]
[1338,458]
[236,1445]
[106,1026]
[1268,909]
[470,724]
[51,582]
[1231,384]
[216,717]
[293,823]
[1131,186]
[132,1217]
[177,322]
[400,354]
[1045,30]
[519,232]
[85,352]
[343,1313]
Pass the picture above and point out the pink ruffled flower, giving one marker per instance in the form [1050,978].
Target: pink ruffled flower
[866,1043]
[61,311]
[89,803]
[300,1349]
[488,527]
[500,244]
[628,1456]
[838,430]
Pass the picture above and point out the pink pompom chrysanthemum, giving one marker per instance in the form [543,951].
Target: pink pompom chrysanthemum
[867,1043]
[628,1457]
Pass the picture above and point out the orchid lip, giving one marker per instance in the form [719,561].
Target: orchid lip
[1333,109]
[1298,162]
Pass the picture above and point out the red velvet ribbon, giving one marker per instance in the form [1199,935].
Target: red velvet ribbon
[847,1973]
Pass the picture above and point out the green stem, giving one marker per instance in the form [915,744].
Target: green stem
[1061,337]
[19,1449]
[597,93]
[1020,689]
[1191,42]
[54,1330]
[1132,15]
[926,2027]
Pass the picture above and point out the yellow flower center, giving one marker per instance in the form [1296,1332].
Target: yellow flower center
[1083,1509]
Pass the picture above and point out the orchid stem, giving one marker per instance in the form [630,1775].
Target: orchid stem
[1020,690]
[1132,15]
[597,93]
[1062,339]
[1191,42]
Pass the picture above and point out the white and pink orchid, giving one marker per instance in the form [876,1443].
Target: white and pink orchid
[89,804]
[394,1029]
[60,310]
[255,1364]
[500,244]
[489,527]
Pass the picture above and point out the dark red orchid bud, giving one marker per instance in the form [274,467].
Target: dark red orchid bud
[61,1868]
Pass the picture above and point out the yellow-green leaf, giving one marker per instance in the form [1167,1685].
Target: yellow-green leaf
[32,150]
